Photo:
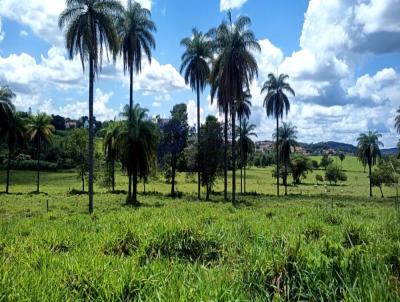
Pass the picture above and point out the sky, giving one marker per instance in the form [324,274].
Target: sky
[342,57]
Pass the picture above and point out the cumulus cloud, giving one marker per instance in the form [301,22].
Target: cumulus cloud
[2,34]
[231,4]
[23,33]
[192,113]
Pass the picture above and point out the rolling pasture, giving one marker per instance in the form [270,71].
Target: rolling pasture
[319,243]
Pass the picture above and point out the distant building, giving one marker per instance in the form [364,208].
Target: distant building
[264,146]
[70,124]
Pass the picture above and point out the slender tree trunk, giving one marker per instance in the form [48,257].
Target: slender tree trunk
[38,166]
[129,124]
[233,156]
[241,155]
[91,133]
[277,155]
[286,176]
[8,170]
[129,199]
[244,180]
[226,155]
[198,140]
[370,182]
[173,176]
[380,188]
[135,177]
[113,175]
[144,186]
[208,192]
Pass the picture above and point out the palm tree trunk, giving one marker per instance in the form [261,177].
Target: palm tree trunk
[91,133]
[198,139]
[233,156]
[134,198]
[226,155]
[129,124]
[113,175]
[244,180]
[277,155]
[286,176]
[370,182]
[83,179]
[38,166]
[241,155]
[173,176]
[128,200]
[8,169]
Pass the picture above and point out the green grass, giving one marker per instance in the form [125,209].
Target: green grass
[293,248]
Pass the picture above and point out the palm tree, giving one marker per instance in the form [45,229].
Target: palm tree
[286,142]
[243,108]
[6,105]
[234,68]
[110,147]
[196,71]
[276,102]
[40,132]
[135,30]
[246,144]
[368,151]
[137,144]
[13,131]
[89,30]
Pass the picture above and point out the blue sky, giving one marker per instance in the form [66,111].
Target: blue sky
[342,56]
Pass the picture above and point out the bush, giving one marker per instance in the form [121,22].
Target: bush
[319,178]
[334,174]
[32,165]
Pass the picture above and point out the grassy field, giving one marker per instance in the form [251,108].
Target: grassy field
[312,245]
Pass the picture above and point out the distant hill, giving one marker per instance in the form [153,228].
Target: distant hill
[336,147]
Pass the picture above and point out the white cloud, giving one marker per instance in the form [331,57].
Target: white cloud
[231,4]
[2,34]
[192,113]
[145,3]
[23,33]
[156,104]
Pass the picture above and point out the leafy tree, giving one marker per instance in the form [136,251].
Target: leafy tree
[342,156]
[286,142]
[211,152]
[89,30]
[137,145]
[111,134]
[326,161]
[276,103]
[314,164]
[385,174]
[40,132]
[319,178]
[246,144]
[334,174]
[76,146]
[58,122]
[233,69]
[243,108]
[300,165]
[368,151]
[196,71]
[13,132]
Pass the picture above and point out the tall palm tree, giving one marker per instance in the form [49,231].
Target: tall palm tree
[89,31]
[243,108]
[111,134]
[135,31]
[247,146]
[397,121]
[195,68]
[286,142]
[137,144]
[276,102]
[368,151]
[235,66]
[13,131]
[40,132]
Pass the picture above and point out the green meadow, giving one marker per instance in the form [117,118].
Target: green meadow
[321,243]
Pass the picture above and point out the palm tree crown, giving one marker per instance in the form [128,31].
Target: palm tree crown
[6,105]
[135,30]
[90,29]
[39,129]
[287,140]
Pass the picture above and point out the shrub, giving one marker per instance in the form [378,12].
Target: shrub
[31,165]
[319,178]
[334,174]
[187,244]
